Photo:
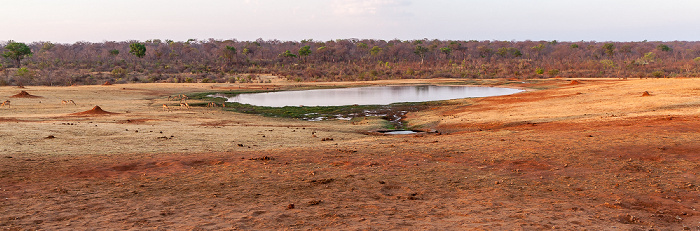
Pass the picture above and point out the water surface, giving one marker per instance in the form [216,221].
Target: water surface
[400,132]
[377,95]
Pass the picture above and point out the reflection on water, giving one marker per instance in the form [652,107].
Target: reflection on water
[382,95]
[400,132]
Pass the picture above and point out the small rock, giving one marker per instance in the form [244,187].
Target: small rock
[314,202]
[290,206]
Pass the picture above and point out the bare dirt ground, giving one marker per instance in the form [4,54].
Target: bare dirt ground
[592,155]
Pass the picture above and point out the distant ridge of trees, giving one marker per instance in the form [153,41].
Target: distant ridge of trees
[342,60]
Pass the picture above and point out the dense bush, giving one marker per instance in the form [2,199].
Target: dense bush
[347,59]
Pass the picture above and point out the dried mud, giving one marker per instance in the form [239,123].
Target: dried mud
[551,159]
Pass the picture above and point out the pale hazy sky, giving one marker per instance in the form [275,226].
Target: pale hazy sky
[68,21]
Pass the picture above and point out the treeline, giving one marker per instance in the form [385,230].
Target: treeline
[341,60]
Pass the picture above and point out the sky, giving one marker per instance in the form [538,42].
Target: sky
[69,21]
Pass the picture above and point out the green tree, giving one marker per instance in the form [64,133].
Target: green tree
[663,47]
[509,52]
[119,72]
[447,51]
[420,51]
[25,76]
[375,50]
[17,52]
[609,49]
[608,64]
[288,54]
[649,57]
[515,52]
[114,52]
[539,47]
[229,53]
[138,49]
[304,52]
[539,71]
[47,46]
[246,51]
[538,50]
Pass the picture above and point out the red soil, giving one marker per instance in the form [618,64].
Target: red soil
[94,111]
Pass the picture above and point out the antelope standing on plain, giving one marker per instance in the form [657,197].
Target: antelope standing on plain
[66,102]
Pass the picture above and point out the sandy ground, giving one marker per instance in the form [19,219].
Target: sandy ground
[596,155]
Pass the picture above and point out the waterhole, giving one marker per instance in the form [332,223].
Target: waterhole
[377,95]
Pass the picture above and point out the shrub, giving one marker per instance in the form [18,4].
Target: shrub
[539,71]
[553,72]
[119,72]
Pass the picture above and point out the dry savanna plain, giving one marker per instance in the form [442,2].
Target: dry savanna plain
[589,154]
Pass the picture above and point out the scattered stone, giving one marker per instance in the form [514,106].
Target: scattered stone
[314,202]
[290,206]
[646,93]
[50,137]
[323,181]
[628,219]
[413,196]
[327,139]
[264,158]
